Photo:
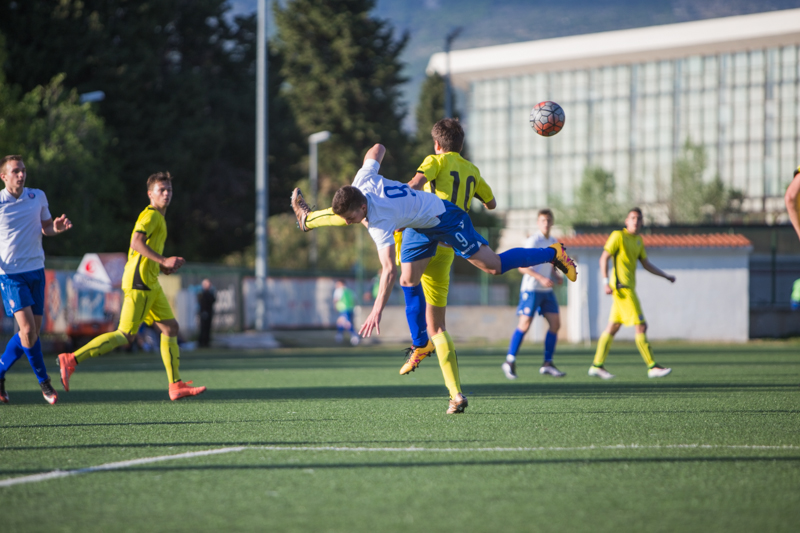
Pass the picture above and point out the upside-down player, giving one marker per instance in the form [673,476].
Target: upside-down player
[452,178]
[24,218]
[626,248]
[144,298]
[387,205]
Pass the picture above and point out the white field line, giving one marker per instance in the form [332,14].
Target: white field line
[46,476]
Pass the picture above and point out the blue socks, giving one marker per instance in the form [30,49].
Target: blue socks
[549,346]
[525,257]
[415,314]
[11,355]
[15,350]
[36,359]
[516,340]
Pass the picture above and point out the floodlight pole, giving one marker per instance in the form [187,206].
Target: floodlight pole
[262,168]
[313,177]
[448,90]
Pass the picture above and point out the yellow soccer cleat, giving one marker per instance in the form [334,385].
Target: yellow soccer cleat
[415,356]
[563,262]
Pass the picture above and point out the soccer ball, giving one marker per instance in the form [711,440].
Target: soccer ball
[547,118]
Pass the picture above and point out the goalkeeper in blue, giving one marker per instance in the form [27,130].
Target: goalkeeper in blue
[385,206]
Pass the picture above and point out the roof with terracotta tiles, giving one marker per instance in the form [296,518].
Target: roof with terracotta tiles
[707,240]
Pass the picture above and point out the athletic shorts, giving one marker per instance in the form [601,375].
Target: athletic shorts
[22,290]
[454,229]
[531,302]
[143,306]
[626,309]
[436,278]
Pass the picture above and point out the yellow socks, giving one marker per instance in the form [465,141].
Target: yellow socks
[603,346]
[101,345]
[448,361]
[171,355]
[644,349]
[326,217]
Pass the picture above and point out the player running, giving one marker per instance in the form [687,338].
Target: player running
[24,218]
[385,206]
[536,296]
[450,177]
[626,248]
[144,298]
[344,300]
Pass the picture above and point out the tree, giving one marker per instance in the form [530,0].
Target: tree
[179,82]
[596,199]
[430,109]
[692,201]
[343,69]
[65,149]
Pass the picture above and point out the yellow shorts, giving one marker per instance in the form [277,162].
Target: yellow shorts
[436,278]
[626,309]
[143,306]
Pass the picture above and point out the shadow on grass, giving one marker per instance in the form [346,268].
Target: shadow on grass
[355,392]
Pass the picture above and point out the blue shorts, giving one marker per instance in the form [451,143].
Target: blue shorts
[22,290]
[454,229]
[541,302]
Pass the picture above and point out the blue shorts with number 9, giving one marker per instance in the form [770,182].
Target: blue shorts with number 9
[454,229]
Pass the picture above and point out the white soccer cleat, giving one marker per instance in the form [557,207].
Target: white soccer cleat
[600,372]
[551,370]
[658,372]
[510,370]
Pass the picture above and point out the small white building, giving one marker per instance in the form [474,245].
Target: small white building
[709,301]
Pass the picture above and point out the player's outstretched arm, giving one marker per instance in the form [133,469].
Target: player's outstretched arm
[376,152]
[52,227]
[790,199]
[650,267]
[418,182]
[388,277]
[168,264]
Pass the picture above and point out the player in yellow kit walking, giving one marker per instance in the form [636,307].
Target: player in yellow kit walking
[626,248]
[144,298]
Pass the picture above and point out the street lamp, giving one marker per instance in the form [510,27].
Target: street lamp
[313,140]
[448,91]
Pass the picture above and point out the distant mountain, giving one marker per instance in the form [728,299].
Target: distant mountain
[491,22]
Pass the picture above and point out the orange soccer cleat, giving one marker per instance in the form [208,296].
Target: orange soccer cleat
[179,389]
[67,364]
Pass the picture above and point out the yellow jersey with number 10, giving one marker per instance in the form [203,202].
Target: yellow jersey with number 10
[453,178]
[140,272]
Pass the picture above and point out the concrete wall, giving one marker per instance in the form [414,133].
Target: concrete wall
[709,301]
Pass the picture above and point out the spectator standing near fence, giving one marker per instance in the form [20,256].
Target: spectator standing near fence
[205,300]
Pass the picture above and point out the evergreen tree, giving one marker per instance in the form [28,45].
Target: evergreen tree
[179,81]
[595,199]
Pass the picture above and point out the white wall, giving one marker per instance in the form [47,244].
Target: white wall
[709,301]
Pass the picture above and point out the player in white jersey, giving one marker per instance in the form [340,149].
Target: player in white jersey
[536,295]
[24,218]
[385,206]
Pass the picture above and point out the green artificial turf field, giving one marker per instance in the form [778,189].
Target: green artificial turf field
[335,440]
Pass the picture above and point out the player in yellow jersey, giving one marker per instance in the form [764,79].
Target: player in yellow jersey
[144,298]
[792,200]
[626,248]
[452,178]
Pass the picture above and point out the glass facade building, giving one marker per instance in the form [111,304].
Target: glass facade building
[631,112]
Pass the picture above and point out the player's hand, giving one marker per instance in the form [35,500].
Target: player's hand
[62,224]
[671,279]
[608,290]
[173,263]
[166,271]
[373,322]
[546,282]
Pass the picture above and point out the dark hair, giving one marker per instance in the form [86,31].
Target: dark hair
[449,134]
[158,177]
[346,199]
[8,158]
[545,212]
[635,210]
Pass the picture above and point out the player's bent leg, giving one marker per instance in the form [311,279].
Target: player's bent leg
[323,219]
[98,346]
[603,347]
